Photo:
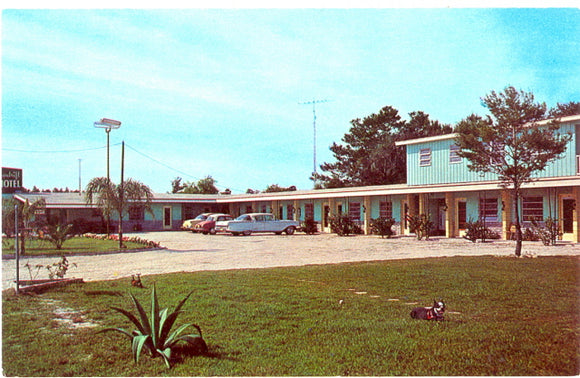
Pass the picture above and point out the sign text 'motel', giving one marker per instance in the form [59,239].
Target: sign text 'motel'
[11,180]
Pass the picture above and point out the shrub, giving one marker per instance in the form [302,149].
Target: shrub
[82,226]
[58,234]
[548,232]
[154,333]
[530,235]
[58,269]
[478,230]
[309,226]
[382,226]
[421,226]
[343,225]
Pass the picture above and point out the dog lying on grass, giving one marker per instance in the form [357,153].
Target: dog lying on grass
[429,313]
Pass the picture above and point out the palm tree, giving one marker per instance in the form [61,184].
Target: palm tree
[110,197]
[26,214]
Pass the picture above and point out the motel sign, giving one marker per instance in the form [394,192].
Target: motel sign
[11,180]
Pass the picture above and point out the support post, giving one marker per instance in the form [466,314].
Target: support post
[506,214]
[576,214]
[367,208]
[450,216]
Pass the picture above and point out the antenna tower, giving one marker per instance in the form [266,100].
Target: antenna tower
[313,103]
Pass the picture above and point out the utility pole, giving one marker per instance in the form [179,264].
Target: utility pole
[80,182]
[314,102]
[121,196]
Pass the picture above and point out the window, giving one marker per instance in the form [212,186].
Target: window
[532,208]
[453,157]
[136,213]
[424,157]
[488,209]
[496,153]
[188,212]
[462,215]
[386,209]
[309,210]
[354,211]
[289,212]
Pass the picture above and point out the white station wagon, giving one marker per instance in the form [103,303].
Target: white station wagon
[261,222]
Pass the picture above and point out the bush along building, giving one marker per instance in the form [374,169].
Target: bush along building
[439,186]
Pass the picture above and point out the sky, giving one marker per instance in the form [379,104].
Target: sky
[224,92]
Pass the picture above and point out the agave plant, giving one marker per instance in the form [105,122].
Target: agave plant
[58,234]
[154,333]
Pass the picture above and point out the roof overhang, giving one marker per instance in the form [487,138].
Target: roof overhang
[567,119]
[70,202]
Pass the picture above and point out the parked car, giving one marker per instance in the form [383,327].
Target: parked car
[261,222]
[213,224]
[189,224]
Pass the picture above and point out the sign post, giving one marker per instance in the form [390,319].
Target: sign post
[17,249]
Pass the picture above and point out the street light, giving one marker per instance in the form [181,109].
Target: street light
[108,125]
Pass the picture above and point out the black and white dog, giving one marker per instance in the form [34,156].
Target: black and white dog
[429,313]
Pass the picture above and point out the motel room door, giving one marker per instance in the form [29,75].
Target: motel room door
[568,207]
[441,217]
[167,215]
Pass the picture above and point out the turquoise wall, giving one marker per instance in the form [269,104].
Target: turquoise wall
[442,171]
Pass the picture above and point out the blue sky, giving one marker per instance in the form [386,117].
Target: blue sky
[217,91]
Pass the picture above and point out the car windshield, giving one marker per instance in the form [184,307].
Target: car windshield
[244,217]
[201,217]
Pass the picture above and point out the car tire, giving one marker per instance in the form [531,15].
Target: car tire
[247,233]
[212,231]
[290,230]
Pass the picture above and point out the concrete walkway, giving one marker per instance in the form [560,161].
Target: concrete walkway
[187,252]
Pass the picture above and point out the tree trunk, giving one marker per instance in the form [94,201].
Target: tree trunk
[517,223]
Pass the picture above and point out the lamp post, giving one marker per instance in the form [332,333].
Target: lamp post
[108,125]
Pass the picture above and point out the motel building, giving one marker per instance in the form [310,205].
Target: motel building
[439,184]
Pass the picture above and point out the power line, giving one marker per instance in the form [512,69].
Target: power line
[172,168]
[55,151]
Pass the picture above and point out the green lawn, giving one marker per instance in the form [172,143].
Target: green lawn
[506,316]
[74,246]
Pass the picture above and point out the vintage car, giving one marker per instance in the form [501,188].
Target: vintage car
[189,224]
[247,224]
[214,223]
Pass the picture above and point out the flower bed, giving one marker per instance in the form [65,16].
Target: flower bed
[132,239]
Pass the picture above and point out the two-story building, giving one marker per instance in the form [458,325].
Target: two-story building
[438,184]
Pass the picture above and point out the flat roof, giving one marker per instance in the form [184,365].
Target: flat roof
[76,200]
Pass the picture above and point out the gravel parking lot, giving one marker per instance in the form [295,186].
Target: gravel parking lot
[187,252]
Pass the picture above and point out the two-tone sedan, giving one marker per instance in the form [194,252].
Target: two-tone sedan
[213,224]
[189,224]
[246,224]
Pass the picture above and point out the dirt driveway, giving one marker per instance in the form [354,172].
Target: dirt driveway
[187,252]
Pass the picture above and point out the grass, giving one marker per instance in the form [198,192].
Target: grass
[73,246]
[506,316]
